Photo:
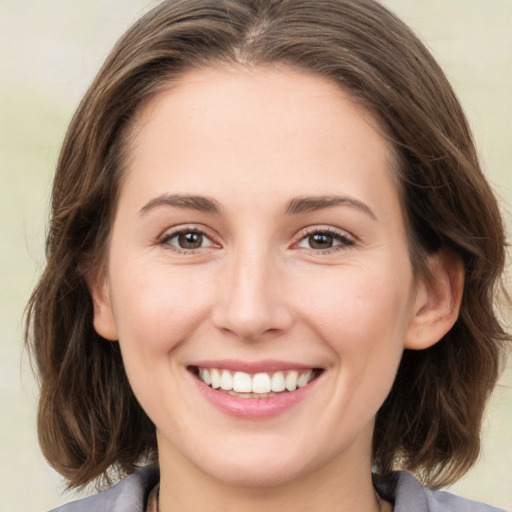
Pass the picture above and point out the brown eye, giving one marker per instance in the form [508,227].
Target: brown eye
[190,240]
[187,240]
[323,240]
[320,241]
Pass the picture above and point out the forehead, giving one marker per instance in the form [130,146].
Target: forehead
[224,94]
[283,129]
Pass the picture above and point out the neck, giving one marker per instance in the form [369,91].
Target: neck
[334,487]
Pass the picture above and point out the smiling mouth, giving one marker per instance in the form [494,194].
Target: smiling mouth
[257,385]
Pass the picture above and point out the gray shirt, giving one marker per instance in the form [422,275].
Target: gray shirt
[407,494]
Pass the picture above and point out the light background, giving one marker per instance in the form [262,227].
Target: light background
[50,51]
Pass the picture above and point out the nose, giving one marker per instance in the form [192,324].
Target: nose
[252,301]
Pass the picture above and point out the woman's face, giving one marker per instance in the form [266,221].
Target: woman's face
[259,246]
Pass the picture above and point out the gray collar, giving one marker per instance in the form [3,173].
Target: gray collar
[402,489]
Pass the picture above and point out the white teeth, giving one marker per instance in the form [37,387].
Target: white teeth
[226,380]
[242,382]
[304,378]
[205,375]
[215,377]
[278,382]
[259,385]
[291,380]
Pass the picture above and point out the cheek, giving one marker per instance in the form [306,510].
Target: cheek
[363,317]
[359,301]
[157,308]
[366,333]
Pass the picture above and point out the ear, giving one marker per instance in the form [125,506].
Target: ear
[104,321]
[437,302]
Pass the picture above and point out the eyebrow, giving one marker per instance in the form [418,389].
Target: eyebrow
[296,205]
[311,203]
[184,201]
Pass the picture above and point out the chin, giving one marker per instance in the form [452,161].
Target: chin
[254,461]
[254,474]
[266,465]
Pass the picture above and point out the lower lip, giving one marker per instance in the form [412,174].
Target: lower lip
[254,408]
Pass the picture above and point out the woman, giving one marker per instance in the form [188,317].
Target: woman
[272,265]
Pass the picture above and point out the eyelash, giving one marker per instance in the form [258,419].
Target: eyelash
[165,239]
[345,240]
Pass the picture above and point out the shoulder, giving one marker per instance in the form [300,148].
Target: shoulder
[129,495]
[409,495]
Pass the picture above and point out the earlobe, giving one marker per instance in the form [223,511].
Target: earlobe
[438,301]
[104,320]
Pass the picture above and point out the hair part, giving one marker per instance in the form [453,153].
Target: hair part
[430,423]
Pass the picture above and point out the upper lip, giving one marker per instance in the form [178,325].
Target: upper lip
[269,365]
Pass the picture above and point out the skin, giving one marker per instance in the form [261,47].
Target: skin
[251,141]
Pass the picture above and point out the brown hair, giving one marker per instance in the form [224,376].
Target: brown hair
[90,424]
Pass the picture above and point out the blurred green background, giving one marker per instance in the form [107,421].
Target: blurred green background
[50,51]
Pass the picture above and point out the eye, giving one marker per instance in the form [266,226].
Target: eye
[187,240]
[325,239]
